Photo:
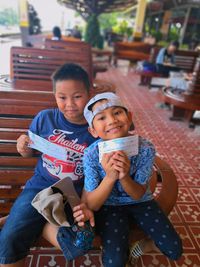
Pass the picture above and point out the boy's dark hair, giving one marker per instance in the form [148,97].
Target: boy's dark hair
[71,71]
[175,43]
[57,32]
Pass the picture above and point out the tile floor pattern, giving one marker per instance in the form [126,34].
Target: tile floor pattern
[180,147]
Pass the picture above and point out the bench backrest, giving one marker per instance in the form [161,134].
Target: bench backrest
[132,46]
[37,65]
[23,102]
[13,170]
[194,87]
[186,59]
[72,46]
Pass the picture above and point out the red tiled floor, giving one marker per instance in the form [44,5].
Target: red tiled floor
[180,147]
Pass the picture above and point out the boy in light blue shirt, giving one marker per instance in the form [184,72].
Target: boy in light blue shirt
[118,187]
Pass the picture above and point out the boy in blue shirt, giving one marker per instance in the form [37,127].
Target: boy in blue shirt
[118,187]
[64,126]
[165,60]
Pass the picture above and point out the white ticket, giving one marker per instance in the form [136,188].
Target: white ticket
[128,144]
[47,147]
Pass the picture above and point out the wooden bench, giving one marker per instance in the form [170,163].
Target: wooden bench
[185,103]
[132,51]
[15,170]
[37,65]
[31,68]
[97,65]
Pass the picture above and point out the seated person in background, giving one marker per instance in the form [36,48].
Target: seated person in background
[165,60]
[56,33]
[76,32]
[117,188]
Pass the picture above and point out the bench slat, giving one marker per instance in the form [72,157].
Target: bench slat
[14,176]
[19,123]
[17,161]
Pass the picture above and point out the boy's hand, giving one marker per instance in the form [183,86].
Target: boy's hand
[82,214]
[121,164]
[22,145]
[108,166]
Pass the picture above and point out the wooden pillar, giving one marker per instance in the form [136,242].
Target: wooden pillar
[166,24]
[184,27]
[139,20]
[24,21]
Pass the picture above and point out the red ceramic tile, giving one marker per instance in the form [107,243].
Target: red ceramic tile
[196,234]
[185,196]
[187,239]
[196,193]
[189,260]
[190,212]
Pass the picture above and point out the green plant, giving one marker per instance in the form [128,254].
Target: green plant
[107,21]
[123,28]
[173,33]
[9,17]
[92,32]
[156,34]
[34,22]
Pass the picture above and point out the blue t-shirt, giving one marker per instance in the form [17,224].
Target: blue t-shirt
[140,171]
[53,126]
[164,57]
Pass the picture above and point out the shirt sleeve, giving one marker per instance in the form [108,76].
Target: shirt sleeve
[36,123]
[90,167]
[144,165]
[160,56]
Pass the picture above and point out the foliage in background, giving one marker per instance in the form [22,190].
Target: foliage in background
[9,17]
[173,33]
[92,32]
[108,21]
[111,22]
[34,22]
[156,34]
[123,28]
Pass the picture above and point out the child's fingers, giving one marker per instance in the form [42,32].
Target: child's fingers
[92,221]
[80,218]
[79,207]
[81,223]
[77,213]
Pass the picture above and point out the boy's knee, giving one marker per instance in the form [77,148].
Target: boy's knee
[175,251]
[178,250]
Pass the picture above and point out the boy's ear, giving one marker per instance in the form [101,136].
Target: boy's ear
[132,127]
[129,114]
[93,132]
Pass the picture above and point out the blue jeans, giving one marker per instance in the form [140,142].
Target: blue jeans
[22,228]
[24,225]
[112,223]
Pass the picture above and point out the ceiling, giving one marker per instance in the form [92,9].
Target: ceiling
[88,7]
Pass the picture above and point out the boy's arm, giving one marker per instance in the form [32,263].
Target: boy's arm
[160,56]
[98,191]
[97,197]
[22,146]
[137,186]
[132,188]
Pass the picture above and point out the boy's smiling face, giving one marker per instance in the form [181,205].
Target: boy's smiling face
[71,98]
[112,122]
